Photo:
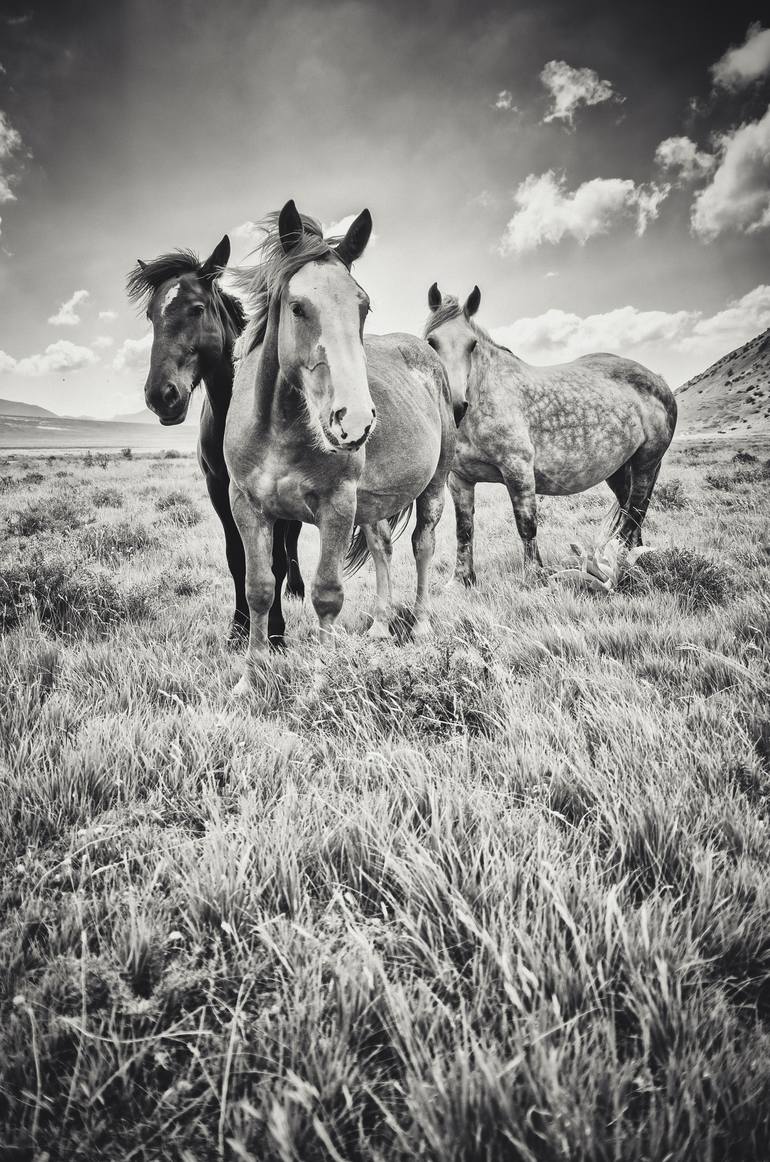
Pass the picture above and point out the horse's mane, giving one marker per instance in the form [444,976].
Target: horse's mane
[449,308]
[143,281]
[264,281]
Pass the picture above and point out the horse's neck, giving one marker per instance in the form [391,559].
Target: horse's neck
[497,365]
[218,381]
[278,407]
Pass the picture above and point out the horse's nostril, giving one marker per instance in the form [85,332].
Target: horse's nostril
[339,416]
[374,414]
[170,394]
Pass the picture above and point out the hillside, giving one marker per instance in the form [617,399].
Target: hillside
[733,395]
[17,407]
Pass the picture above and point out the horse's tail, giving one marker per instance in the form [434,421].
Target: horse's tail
[358,550]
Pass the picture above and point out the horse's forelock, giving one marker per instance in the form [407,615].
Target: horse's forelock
[448,309]
[263,282]
[144,281]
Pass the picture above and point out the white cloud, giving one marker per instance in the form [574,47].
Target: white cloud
[59,356]
[246,237]
[570,88]
[684,339]
[132,354]
[738,195]
[108,316]
[741,66]
[504,100]
[101,342]
[547,212]
[67,315]
[682,155]
[10,142]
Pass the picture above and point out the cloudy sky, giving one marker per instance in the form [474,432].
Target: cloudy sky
[603,175]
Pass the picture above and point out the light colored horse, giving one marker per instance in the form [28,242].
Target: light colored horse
[551,430]
[329,428]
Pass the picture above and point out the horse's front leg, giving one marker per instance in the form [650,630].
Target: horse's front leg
[463,498]
[429,507]
[256,531]
[378,542]
[520,482]
[335,524]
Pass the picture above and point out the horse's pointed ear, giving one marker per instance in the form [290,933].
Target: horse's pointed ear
[141,264]
[354,243]
[290,227]
[473,302]
[434,297]
[216,261]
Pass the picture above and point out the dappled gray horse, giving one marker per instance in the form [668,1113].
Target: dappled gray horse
[327,428]
[552,430]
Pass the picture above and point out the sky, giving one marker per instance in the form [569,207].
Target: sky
[601,172]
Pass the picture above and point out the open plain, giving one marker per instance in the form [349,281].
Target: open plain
[499,896]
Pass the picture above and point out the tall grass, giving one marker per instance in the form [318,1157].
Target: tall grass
[499,896]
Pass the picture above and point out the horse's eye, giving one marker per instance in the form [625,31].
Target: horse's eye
[432,343]
[296,309]
[198,308]
[472,346]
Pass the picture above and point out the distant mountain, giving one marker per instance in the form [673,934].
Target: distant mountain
[733,395]
[145,416]
[16,407]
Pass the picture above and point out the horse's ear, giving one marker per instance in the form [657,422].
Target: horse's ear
[141,264]
[473,302]
[290,228]
[354,243]
[216,261]
[434,297]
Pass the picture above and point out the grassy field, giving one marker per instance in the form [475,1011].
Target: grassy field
[502,896]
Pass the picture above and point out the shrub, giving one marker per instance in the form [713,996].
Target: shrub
[52,515]
[126,453]
[719,480]
[172,454]
[100,459]
[64,595]
[107,498]
[111,542]
[178,507]
[698,581]
[670,494]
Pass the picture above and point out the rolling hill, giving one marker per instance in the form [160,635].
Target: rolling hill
[17,407]
[733,395]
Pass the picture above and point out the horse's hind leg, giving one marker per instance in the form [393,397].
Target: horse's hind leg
[620,484]
[378,541]
[295,586]
[520,482]
[644,473]
[429,507]
[462,492]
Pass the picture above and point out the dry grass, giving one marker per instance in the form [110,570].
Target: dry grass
[501,896]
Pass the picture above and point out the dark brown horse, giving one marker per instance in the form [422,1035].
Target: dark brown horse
[195,326]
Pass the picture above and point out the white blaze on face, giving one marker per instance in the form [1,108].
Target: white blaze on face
[169,297]
[335,301]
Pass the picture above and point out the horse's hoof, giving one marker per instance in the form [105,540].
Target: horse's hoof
[467,580]
[377,631]
[242,688]
[277,643]
[297,591]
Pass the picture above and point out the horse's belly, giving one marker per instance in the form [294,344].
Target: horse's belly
[395,474]
[573,461]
